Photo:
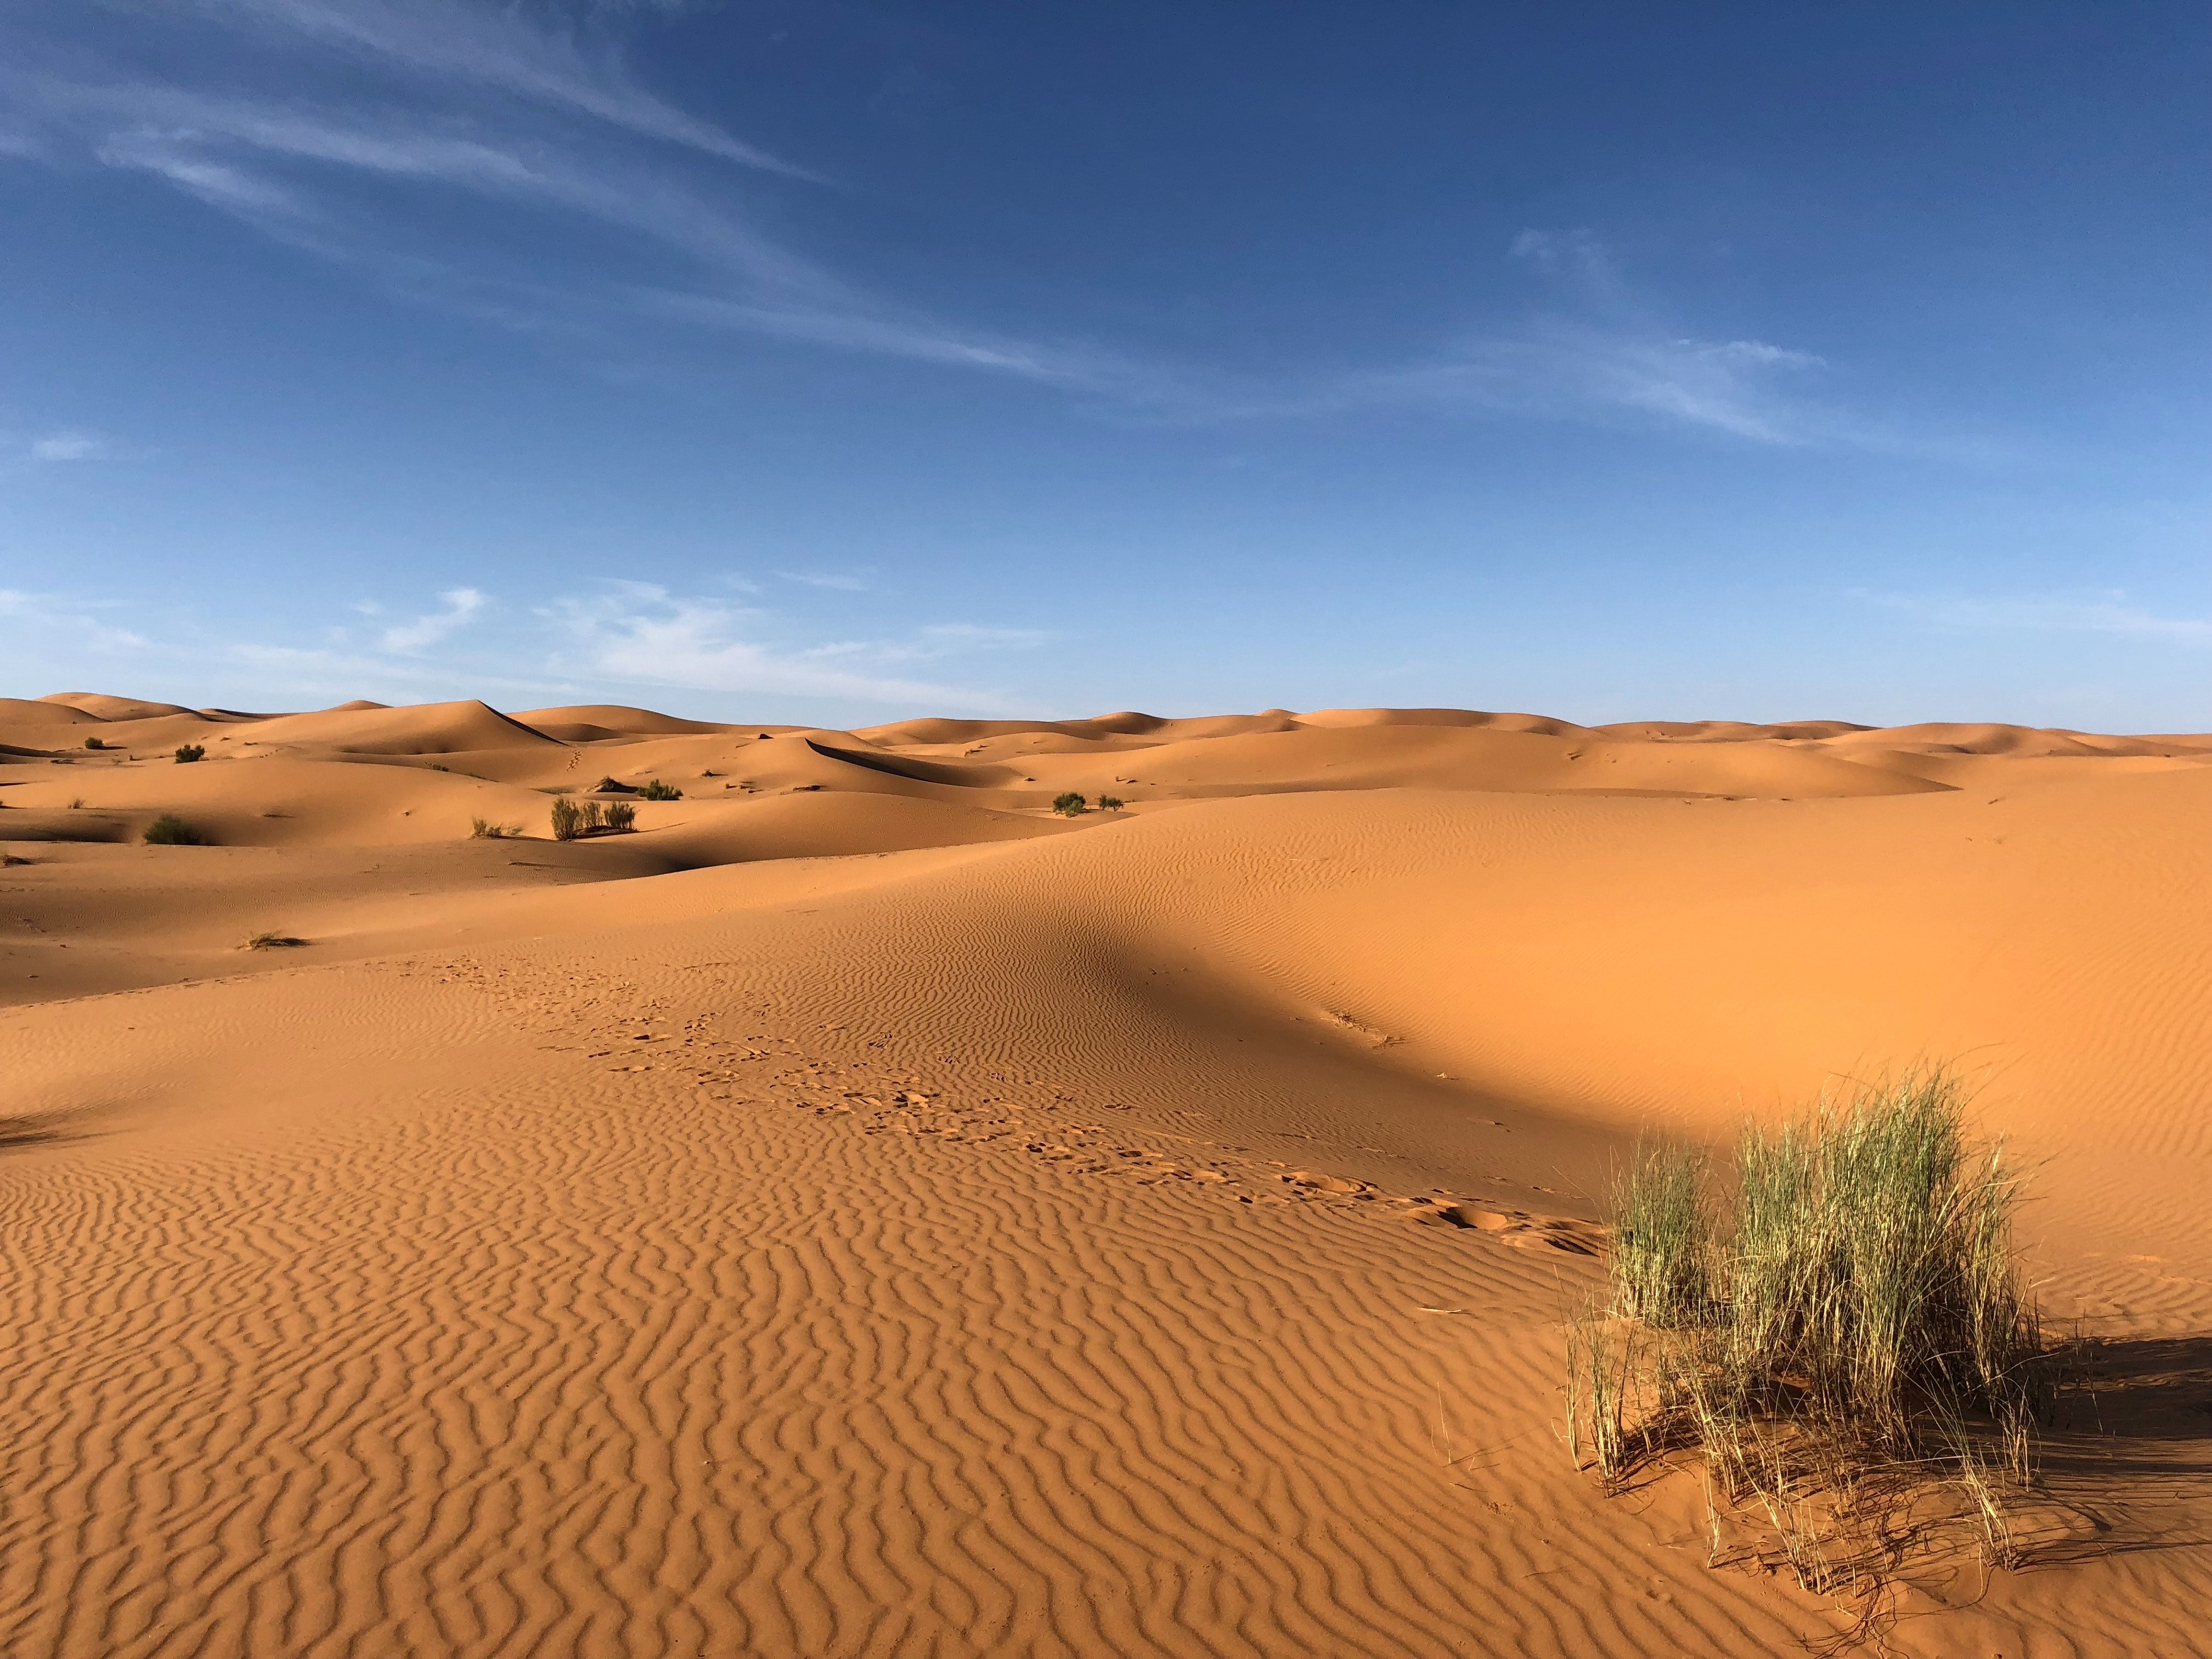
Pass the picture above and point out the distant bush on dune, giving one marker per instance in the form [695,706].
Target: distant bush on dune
[188,752]
[1110,802]
[659,791]
[486,830]
[170,830]
[1070,805]
[94,743]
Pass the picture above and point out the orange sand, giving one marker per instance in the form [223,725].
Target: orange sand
[863,1213]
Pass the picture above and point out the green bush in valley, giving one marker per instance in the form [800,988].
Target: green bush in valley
[1070,804]
[94,743]
[620,815]
[659,791]
[568,819]
[1111,803]
[170,830]
[188,752]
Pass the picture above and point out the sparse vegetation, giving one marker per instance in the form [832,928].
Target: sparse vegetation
[94,743]
[1111,803]
[1070,805]
[659,791]
[1852,1344]
[574,820]
[170,830]
[272,942]
[486,830]
[188,752]
[76,803]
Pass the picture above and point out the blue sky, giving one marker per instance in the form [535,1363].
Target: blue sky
[837,362]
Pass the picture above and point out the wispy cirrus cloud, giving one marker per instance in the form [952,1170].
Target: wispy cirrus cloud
[2110,612]
[347,127]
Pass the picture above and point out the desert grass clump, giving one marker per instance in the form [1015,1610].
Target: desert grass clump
[1070,805]
[1844,1337]
[486,830]
[573,820]
[659,791]
[1661,1244]
[274,942]
[94,743]
[188,752]
[1111,803]
[170,830]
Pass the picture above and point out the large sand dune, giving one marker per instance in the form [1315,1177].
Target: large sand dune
[863,1213]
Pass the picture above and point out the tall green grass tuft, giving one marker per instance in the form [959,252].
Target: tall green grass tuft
[1844,1331]
[1662,1239]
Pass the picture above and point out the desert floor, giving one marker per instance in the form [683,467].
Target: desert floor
[862,1212]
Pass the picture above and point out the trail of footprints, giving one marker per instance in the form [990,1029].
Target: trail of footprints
[617,1024]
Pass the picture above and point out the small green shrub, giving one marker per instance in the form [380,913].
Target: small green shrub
[188,752]
[568,819]
[170,830]
[620,815]
[1111,803]
[486,830]
[94,743]
[659,791]
[1070,805]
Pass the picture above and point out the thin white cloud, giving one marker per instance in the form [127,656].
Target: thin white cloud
[51,618]
[982,637]
[2109,612]
[479,47]
[68,447]
[462,603]
[643,634]
[832,579]
[577,647]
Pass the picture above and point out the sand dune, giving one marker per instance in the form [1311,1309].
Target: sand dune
[864,1212]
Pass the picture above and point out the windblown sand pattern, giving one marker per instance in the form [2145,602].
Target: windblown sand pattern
[864,1214]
